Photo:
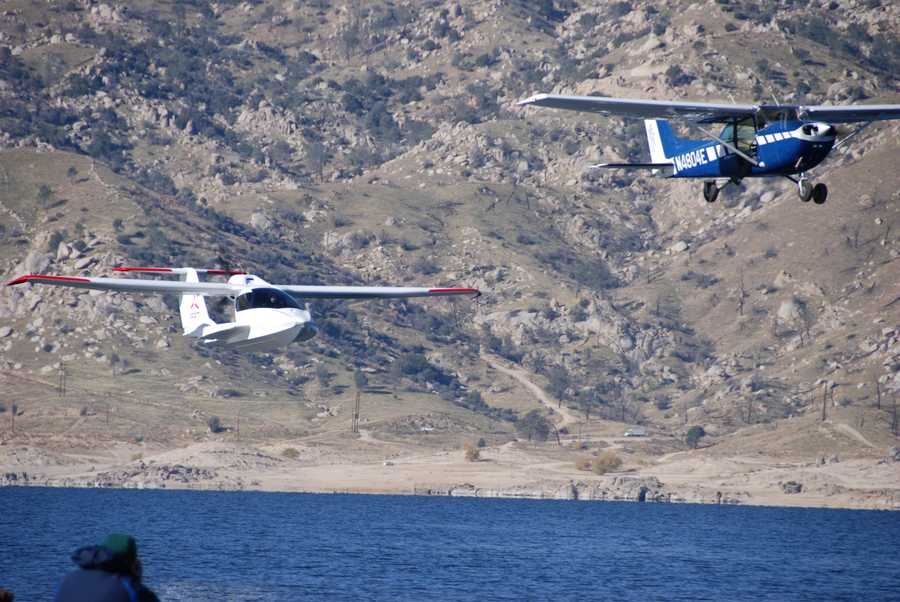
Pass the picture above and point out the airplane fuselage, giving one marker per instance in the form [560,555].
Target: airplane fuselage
[781,149]
[263,329]
[270,329]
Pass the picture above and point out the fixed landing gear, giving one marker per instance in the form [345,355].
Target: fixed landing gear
[804,189]
[710,191]
[711,188]
[818,193]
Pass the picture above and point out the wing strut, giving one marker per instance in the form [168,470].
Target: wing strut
[851,135]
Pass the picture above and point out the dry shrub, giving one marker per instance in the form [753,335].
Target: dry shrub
[606,462]
[473,454]
[583,463]
[579,445]
[291,453]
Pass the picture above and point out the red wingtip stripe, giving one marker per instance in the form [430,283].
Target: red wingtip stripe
[129,269]
[454,291]
[29,277]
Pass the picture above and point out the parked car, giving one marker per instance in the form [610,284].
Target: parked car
[637,431]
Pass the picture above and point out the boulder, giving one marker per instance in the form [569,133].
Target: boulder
[789,310]
[34,263]
[83,263]
[260,221]
[783,279]
[792,487]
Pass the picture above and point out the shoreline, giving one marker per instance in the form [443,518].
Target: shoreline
[465,491]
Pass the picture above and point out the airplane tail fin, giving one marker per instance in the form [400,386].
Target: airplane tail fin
[662,140]
[194,316]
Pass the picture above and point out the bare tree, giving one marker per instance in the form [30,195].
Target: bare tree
[316,157]
[350,32]
[829,388]
[15,410]
[586,401]
[806,321]
[45,195]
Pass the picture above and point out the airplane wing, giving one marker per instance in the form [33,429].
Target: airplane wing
[371,292]
[644,109]
[849,113]
[704,112]
[132,285]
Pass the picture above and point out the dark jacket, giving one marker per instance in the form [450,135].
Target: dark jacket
[102,577]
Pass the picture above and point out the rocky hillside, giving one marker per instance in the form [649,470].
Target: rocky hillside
[337,142]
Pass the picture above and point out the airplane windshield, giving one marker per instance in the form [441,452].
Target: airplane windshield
[271,298]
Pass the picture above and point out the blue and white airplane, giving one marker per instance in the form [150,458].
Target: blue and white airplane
[757,141]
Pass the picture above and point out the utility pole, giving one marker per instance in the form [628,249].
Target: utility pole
[61,380]
[360,380]
[894,424]
[354,423]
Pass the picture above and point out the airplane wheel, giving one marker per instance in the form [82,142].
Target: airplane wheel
[805,190]
[819,194]
[710,191]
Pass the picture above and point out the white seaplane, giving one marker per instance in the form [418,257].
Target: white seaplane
[266,316]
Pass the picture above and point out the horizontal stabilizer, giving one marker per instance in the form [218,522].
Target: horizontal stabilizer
[372,292]
[632,166]
[131,285]
[212,272]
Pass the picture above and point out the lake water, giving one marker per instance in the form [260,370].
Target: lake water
[270,546]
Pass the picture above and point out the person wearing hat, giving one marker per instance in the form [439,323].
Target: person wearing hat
[110,572]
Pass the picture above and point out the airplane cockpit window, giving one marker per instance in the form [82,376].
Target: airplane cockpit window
[742,135]
[728,133]
[271,298]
